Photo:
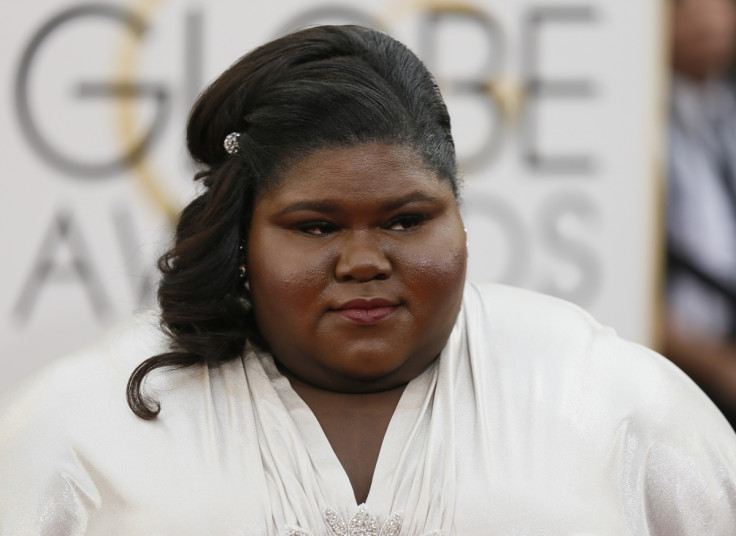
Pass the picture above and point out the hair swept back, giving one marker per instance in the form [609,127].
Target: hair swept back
[315,88]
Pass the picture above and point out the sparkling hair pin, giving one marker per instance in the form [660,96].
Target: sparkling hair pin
[231,142]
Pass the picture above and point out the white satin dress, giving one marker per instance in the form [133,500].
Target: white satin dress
[535,420]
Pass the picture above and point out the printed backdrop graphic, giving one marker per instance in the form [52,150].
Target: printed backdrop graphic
[557,115]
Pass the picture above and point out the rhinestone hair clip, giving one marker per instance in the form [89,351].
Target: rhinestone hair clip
[231,142]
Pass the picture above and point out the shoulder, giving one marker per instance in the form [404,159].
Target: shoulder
[88,371]
[601,407]
[579,362]
[69,443]
[533,327]
[522,305]
[548,328]
[62,399]
[50,421]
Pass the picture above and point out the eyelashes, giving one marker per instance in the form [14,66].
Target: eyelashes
[406,222]
[401,223]
[317,228]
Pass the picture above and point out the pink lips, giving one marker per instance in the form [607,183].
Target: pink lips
[364,311]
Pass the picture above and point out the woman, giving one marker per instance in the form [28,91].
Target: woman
[328,372]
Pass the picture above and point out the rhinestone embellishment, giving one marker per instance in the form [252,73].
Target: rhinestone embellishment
[231,142]
[363,523]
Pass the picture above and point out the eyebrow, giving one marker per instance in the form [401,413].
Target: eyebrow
[331,206]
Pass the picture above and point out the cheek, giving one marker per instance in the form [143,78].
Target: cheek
[284,278]
[438,266]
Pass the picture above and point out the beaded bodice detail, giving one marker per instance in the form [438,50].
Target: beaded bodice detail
[363,523]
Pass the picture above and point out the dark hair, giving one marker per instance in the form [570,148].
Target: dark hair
[315,88]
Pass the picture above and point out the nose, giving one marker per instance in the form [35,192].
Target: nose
[362,258]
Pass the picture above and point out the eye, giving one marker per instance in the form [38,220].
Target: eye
[316,228]
[406,222]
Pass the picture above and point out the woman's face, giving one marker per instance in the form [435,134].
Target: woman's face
[356,264]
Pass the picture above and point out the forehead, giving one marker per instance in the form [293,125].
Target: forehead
[363,170]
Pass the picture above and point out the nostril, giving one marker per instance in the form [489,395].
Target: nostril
[362,264]
[365,271]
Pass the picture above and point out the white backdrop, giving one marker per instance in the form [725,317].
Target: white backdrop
[556,106]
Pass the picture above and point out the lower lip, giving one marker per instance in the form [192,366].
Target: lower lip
[367,316]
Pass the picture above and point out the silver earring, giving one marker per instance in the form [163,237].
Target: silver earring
[242,268]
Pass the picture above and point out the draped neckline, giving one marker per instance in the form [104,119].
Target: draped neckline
[332,475]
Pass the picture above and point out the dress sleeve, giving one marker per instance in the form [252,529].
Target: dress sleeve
[689,491]
[45,489]
[69,444]
[674,451]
